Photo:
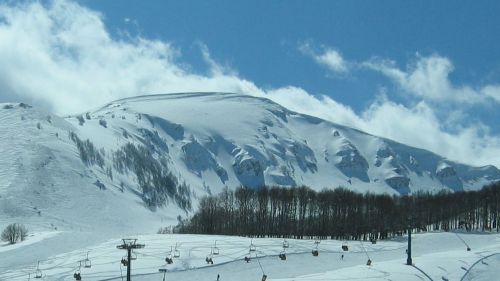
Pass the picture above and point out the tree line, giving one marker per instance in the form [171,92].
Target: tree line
[300,212]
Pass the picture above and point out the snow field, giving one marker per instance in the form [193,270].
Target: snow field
[439,255]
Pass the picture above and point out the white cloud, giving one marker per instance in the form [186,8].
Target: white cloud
[62,55]
[330,58]
[429,79]
[416,125]
[492,91]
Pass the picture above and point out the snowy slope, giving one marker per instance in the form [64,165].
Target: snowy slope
[206,140]
[195,143]
[45,185]
[201,142]
[221,139]
[436,256]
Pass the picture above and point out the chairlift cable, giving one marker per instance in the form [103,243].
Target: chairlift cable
[366,252]
[121,272]
[258,260]
[463,241]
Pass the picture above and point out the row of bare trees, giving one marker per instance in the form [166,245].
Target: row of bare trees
[301,212]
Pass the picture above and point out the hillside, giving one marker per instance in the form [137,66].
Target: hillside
[211,140]
[142,161]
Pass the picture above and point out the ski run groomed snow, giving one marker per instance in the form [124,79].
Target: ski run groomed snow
[436,256]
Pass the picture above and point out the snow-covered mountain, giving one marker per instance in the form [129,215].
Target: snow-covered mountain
[164,151]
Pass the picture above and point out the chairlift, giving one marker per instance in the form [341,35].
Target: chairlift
[264,277]
[133,256]
[468,249]
[215,250]
[77,275]
[314,251]
[282,256]
[285,244]
[345,247]
[177,253]
[369,262]
[252,248]
[38,273]
[87,262]
[169,260]
[209,260]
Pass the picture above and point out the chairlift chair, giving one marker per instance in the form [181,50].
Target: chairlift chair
[124,261]
[369,262]
[177,253]
[38,273]
[252,248]
[285,244]
[87,262]
[169,259]
[374,241]
[215,250]
[264,277]
[468,249]
[209,260]
[282,256]
[133,256]
[247,259]
[77,275]
[345,247]
[315,253]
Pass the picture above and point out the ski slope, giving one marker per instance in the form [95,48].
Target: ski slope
[436,256]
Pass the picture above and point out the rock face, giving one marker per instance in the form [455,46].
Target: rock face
[351,163]
[248,170]
[445,170]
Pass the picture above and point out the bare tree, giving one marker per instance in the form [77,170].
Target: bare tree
[14,233]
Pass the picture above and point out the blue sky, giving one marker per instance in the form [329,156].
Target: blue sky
[260,38]
[425,73]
